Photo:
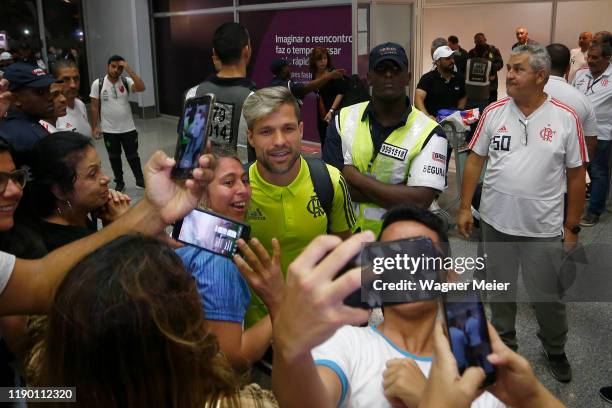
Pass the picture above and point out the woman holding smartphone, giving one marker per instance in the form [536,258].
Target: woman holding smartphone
[224,292]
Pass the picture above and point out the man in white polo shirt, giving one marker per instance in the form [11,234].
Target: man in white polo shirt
[67,71]
[558,88]
[110,104]
[578,56]
[535,150]
[594,82]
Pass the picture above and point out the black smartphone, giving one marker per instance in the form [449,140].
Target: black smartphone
[388,284]
[468,333]
[211,232]
[192,133]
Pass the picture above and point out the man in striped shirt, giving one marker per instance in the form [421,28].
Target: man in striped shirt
[535,150]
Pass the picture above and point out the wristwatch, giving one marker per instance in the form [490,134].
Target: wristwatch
[574,229]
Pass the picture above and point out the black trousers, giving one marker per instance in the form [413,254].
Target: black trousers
[129,141]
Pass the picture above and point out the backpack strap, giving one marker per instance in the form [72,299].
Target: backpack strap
[125,83]
[100,83]
[322,183]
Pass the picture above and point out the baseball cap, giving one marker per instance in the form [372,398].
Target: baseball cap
[442,52]
[388,51]
[277,64]
[5,56]
[22,74]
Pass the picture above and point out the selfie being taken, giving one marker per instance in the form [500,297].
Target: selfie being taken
[328,204]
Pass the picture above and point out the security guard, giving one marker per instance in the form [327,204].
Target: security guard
[389,152]
[32,101]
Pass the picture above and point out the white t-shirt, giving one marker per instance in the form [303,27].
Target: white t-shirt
[599,92]
[358,356]
[578,60]
[48,126]
[558,88]
[525,178]
[116,114]
[7,263]
[75,119]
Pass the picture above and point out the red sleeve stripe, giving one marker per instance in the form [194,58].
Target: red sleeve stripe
[492,106]
[561,105]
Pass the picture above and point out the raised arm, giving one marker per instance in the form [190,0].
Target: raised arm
[32,284]
[310,312]
[139,84]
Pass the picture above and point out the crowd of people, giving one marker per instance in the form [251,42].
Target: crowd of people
[95,295]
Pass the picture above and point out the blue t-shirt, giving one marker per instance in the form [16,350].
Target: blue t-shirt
[223,290]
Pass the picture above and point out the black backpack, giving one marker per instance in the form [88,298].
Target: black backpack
[357,90]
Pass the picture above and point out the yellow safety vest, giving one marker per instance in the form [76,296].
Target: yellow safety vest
[391,165]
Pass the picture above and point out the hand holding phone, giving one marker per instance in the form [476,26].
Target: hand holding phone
[192,134]
[468,333]
[445,387]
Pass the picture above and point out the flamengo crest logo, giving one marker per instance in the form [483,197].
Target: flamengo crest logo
[604,82]
[314,207]
[547,134]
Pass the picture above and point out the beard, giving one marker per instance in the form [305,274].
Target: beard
[276,169]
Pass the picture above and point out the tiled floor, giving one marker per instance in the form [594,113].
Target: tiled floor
[589,346]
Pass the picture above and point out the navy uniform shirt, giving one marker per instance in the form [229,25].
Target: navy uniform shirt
[22,132]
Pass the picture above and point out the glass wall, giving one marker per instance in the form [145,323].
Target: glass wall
[183,47]
[19,21]
[164,6]
[63,32]
[65,36]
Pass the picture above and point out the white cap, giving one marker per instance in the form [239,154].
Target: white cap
[442,52]
[5,56]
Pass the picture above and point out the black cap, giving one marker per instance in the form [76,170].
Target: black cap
[388,51]
[277,64]
[22,74]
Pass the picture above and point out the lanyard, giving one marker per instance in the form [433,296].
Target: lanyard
[591,85]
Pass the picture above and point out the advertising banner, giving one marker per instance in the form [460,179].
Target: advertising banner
[291,35]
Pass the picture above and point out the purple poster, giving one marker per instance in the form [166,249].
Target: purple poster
[291,35]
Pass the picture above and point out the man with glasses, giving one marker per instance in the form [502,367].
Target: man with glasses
[31,101]
[110,105]
[595,84]
[536,151]
[389,152]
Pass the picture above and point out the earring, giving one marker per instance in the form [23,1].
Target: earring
[59,210]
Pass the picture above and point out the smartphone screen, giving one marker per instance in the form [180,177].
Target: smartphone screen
[468,334]
[372,294]
[192,131]
[211,232]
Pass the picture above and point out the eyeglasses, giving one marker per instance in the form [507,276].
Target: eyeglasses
[18,177]
[524,135]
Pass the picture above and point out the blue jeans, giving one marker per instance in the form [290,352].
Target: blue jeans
[599,177]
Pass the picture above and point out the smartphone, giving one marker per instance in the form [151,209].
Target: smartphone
[211,232]
[192,133]
[370,294]
[468,333]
